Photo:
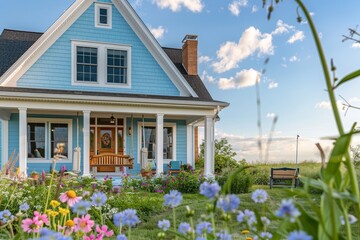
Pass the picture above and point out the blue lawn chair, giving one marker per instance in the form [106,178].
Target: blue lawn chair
[174,167]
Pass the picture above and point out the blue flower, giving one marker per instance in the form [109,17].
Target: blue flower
[81,207]
[288,209]
[127,217]
[259,196]
[229,203]
[184,228]
[164,224]
[6,216]
[246,216]
[299,235]
[203,227]
[121,237]
[47,234]
[209,190]
[266,235]
[98,199]
[24,207]
[223,236]
[265,221]
[352,219]
[173,199]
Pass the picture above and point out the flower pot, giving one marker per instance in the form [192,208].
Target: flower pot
[35,176]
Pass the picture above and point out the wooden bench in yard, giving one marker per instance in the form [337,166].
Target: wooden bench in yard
[111,160]
[284,176]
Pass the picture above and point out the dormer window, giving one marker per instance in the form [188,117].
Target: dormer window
[103,16]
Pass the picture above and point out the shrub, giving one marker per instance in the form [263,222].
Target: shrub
[240,184]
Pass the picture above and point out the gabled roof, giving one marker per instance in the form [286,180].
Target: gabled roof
[14,43]
[17,69]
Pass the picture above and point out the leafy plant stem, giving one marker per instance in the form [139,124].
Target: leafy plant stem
[49,191]
[174,220]
[332,213]
[346,219]
[213,223]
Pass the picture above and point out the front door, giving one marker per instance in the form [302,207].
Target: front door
[106,144]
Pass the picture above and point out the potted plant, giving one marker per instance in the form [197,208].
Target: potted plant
[146,172]
[35,175]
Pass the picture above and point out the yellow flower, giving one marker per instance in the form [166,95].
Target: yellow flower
[69,223]
[248,238]
[49,212]
[54,214]
[54,203]
[64,211]
[245,232]
[71,194]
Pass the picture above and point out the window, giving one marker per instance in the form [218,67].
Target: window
[169,152]
[103,15]
[116,66]
[36,140]
[101,64]
[86,64]
[44,135]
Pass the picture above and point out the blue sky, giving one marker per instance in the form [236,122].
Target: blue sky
[235,38]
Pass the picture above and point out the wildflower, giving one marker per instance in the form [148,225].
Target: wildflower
[352,219]
[245,232]
[209,190]
[184,228]
[259,196]
[103,231]
[64,211]
[31,225]
[299,235]
[164,224]
[265,221]
[126,217]
[265,235]
[69,197]
[223,236]
[91,237]
[98,199]
[54,203]
[41,217]
[69,223]
[24,207]
[246,216]
[85,194]
[203,227]
[6,216]
[121,237]
[229,203]
[288,209]
[81,207]
[173,199]
[46,234]
[54,213]
[83,224]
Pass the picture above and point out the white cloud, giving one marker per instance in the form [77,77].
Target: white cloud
[354,100]
[355,45]
[242,79]
[312,14]
[235,6]
[206,77]
[157,32]
[204,59]
[251,41]
[254,9]
[270,115]
[138,3]
[273,85]
[282,27]
[176,5]
[293,58]
[320,35]
[298,36]
[326,105]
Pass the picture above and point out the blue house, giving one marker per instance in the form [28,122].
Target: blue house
[97,82]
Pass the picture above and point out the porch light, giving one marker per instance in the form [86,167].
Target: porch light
[112,119]
[130,131]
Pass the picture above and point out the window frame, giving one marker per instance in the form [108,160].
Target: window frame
[153,124]
[102,49]
[99,6]
[47,122]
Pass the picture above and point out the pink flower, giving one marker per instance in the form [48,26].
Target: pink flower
[31,225]
[69,197]
[42,217]
[83,224]
[104,231]
[91,237]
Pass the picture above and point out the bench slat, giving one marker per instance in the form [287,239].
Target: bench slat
[111,159]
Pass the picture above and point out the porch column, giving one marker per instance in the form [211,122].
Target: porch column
[86,143]
[190,144]
[159,143]
[209,147]
[23,141]
[4,142]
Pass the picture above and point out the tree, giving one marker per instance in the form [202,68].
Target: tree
[224,155]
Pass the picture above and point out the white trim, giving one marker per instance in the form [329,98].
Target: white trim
[189,144]
[86,141]
[4,142]
[153,124]
[23,141]
[101,63]
[48,121]
[209,147]
[159,155]
[97,8]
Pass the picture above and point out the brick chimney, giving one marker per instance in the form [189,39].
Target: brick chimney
[190,54]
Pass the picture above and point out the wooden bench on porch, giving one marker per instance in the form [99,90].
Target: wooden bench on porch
[111,160]
[284,176]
